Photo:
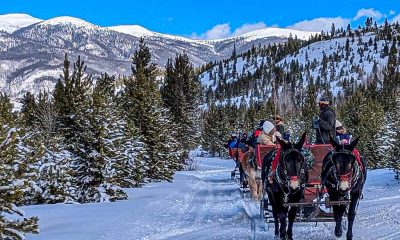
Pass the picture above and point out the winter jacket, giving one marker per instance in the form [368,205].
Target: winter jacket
[326,123]
[232,143]
[343,138]
[280,128]
[264,139]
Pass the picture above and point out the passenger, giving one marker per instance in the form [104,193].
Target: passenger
[278,120]
[325,125]
[268,134]
[232,142]
[254,137]
[341,133]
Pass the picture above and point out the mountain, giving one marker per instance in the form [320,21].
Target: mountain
[11,22]
[32,50]
[335,65]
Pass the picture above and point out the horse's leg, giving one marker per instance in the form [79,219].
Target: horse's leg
[252,185]
[338,212]
[259,190]
[274,212]
[291,217]
[352,214]
[282,219]
[276,221]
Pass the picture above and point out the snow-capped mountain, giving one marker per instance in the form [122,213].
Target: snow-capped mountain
[337,65]
[11,22]
[32,50]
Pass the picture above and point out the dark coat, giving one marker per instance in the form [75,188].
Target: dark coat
[281,129]
[327,130]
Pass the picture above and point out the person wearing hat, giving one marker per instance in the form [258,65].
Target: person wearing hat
[278,120]
[232,142]
[341,133]
[268,133]
[325,126]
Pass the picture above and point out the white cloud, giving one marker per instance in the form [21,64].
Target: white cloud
[395,19]
[322,23]
[245,28]
[391,12]
[216,32]
[370,12]
[224,31]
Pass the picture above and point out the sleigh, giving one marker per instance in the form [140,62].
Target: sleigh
[314,207]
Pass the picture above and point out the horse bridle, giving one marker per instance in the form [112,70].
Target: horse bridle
[299,174]
[342,177]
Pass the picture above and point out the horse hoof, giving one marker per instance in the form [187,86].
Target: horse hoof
[338,231]
[349,237]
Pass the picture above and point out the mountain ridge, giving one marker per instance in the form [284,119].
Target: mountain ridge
[32,55]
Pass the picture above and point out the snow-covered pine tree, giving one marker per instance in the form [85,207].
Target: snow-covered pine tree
[13,224]
[144,108]
[181,95]
[28,150]
[82,134]
[55,178]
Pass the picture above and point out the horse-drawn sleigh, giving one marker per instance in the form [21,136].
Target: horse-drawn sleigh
[307,183]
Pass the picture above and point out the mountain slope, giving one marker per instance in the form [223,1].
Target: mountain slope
[11,22]
[32,52]
[334,65]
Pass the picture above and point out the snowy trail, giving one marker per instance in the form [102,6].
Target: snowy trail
[205,204]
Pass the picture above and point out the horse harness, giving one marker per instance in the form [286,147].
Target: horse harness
[352,176]
[284,184]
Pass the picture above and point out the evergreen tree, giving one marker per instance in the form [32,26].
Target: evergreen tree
[13,224]
[363,117]
[391,79]
[215,131]
[83,135]
[310,109]
[181,95]
[55,176]
[144,108]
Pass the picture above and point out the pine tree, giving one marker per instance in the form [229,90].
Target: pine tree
[13,224]
[363,118]
[181,95]
[83,135]
[310,109]
[55,176]
[391,79]
[28,107]
[215,131]
[144,108]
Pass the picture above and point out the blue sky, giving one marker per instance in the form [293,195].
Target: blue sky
[210,19]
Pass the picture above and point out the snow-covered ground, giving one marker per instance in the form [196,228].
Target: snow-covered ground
[205,204]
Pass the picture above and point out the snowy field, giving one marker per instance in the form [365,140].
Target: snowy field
[205,204]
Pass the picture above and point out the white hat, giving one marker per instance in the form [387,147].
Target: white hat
[338,124]
[268,126]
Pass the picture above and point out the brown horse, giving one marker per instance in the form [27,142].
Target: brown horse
[249,166]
